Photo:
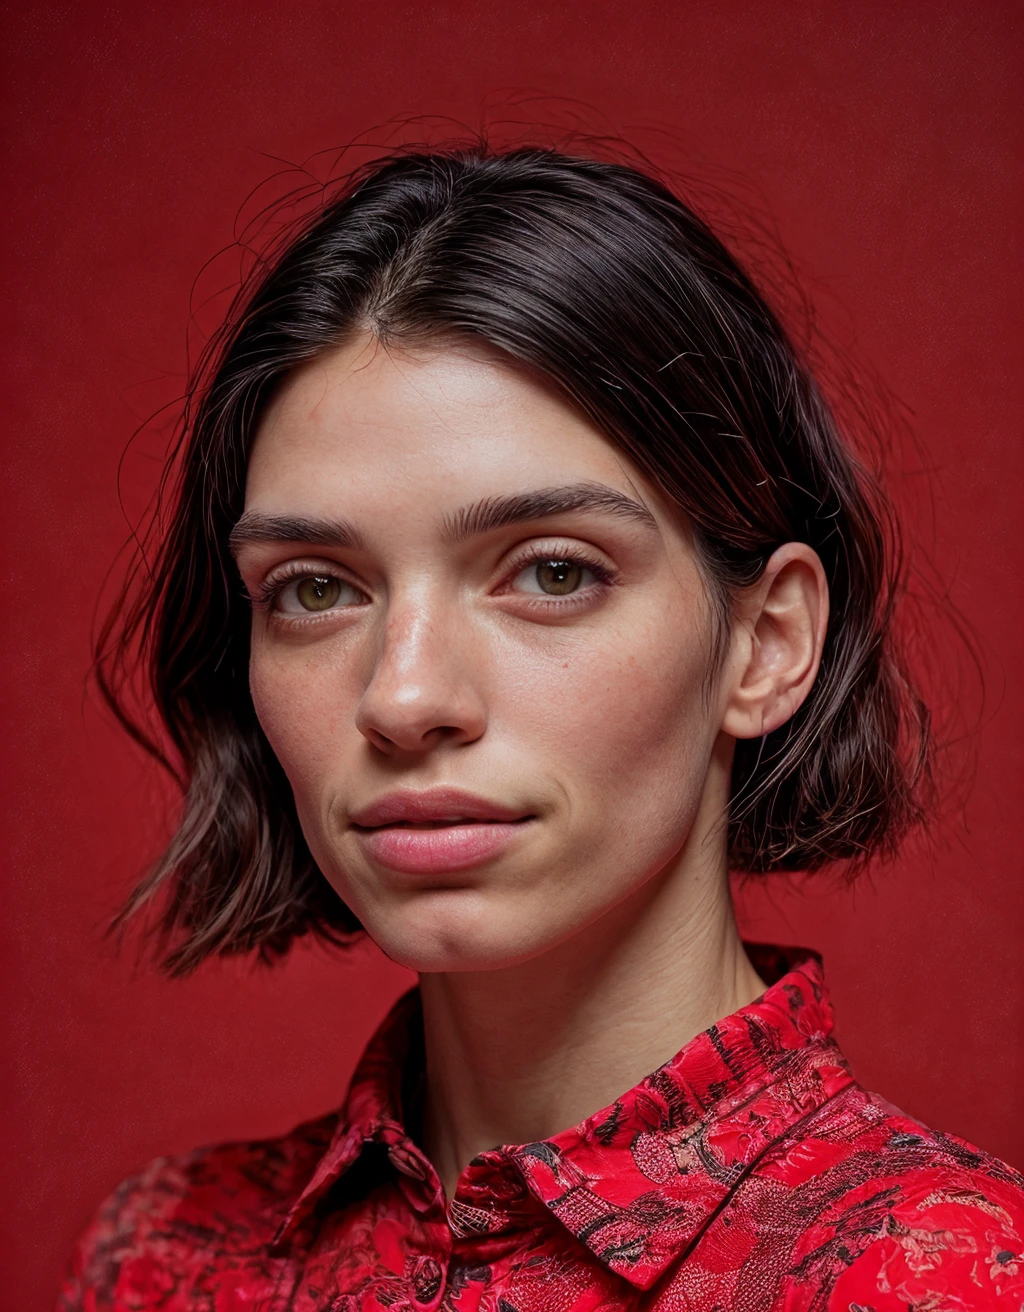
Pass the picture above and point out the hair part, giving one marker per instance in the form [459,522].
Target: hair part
[598,279]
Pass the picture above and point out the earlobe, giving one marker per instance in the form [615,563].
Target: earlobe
[779,635]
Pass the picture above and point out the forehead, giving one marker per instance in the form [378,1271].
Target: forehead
[430,427]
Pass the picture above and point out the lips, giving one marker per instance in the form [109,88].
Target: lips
[433,806]
[434,830]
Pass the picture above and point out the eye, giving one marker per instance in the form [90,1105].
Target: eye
[312,593]
[554,578]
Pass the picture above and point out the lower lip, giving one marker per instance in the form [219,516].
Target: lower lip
[432,851]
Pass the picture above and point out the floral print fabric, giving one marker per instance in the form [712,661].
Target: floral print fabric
[750,1173]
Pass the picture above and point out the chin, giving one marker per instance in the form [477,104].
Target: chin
[454,930]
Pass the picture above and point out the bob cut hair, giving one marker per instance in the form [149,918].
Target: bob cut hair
[597,278]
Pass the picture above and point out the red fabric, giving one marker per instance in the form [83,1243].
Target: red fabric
[749,1173]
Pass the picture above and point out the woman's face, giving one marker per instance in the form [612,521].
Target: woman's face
[480,650]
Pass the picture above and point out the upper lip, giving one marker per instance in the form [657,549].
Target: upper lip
[432,804]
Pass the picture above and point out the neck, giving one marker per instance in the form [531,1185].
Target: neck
[517,1054]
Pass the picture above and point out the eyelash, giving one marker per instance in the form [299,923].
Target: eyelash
[603,575]
[266,591]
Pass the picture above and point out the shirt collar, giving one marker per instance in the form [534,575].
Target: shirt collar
[639,1181]
[372,1112]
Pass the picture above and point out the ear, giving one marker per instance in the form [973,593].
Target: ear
[778,633]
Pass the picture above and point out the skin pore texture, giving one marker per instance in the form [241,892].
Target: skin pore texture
[458,582]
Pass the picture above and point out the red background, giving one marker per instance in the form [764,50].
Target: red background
[887,141]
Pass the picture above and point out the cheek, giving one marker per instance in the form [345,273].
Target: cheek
[624,719]
[301,704]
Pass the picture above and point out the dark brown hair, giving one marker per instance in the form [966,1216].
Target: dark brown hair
[597,277]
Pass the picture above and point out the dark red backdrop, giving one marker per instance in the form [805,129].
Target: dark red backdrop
[887,140]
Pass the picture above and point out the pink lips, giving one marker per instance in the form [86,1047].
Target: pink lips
[433,830]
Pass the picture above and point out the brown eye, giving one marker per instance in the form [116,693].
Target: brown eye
[313,594]
[556,578]
[559,577]
[318,592]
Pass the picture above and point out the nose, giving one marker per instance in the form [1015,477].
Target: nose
[421,692]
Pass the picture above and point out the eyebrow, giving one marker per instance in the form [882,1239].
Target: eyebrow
[498,512]
[254,526]
[471,521]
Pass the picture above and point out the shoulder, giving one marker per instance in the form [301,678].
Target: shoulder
[952,1230]
[898,1216]
[168,1220]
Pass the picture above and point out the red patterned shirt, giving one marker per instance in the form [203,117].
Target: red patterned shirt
[750,1173]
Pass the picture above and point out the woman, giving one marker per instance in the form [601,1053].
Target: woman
[559,596]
